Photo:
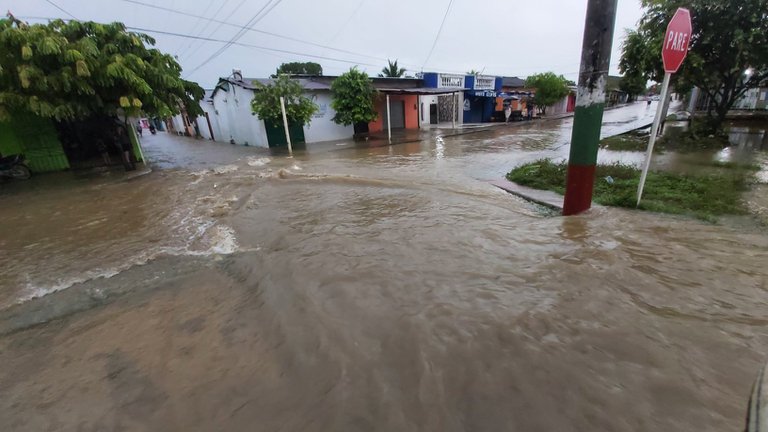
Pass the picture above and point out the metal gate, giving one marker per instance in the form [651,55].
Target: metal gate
[397,111]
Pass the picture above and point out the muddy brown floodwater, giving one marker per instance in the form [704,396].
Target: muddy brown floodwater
[382,289]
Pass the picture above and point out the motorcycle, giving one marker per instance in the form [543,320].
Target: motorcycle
[14,167]
[152,129]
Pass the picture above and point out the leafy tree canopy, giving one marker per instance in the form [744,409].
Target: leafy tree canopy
[298,107]
[72,70]
[729,37]
[633,84]
[299,68]
[392,71]
[550,88]
[353,98]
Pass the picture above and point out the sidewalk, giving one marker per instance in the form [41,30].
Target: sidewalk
[542,197]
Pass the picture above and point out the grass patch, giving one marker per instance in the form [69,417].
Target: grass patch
[625,142]
[683,142]
[702,196]
[698,137]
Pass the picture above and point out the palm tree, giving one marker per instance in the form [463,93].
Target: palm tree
[392,71]
[473,72]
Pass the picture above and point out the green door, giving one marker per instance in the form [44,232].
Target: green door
[276,133]
[37,139]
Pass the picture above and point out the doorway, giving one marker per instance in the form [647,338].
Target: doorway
[433,113]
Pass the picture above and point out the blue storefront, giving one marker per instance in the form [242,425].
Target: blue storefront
[480,98]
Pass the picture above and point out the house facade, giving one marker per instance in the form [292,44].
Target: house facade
[476,96]
[439,108]
[228,111]
[49,146]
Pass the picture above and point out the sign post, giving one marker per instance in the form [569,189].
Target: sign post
[673,52]
[285,125]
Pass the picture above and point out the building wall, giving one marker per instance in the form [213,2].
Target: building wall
[322,127]
[560,107]
[235,118]
[762,101]
[748,100]
[411,112]
[201,121]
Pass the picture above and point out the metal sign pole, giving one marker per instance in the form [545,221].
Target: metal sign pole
[285,124]
[654,131]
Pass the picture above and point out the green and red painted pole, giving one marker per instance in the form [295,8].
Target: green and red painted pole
[590,102]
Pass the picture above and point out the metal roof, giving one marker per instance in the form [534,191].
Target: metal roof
[512,82]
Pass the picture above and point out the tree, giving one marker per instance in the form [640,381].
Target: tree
[392,71]
[299,68]
[550,88]
[353,96]
[73,70]
[298,107]
[473,72]
[633,85]
[729,37]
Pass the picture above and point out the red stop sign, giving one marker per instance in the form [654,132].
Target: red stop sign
[676,40]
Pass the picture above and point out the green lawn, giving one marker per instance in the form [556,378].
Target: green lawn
[704,196]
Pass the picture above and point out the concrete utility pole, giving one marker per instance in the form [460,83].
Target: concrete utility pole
[590,102]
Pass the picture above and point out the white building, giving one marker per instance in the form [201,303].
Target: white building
[232,120]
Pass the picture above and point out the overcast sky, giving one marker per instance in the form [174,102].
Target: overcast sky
[498,37]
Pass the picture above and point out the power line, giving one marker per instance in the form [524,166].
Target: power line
[200,30]
[197,48]
[352,15]
[255,19]
[437,36]
[225,22]
[207,39]
[277,35]
[60,8]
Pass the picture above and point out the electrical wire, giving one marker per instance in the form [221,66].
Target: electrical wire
[437,36]
[225,22]
[200,30]
[197,48]
[207,39]
[60,8]
[266,9]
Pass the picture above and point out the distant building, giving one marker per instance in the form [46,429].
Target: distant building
[475,96]
[229,114]
[755,98]
[613,93]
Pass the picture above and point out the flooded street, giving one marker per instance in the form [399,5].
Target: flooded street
[359,288]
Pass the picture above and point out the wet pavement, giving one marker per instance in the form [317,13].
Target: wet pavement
[358,287]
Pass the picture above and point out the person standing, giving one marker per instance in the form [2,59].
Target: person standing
[138,127]
[508,111]
[124,144]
